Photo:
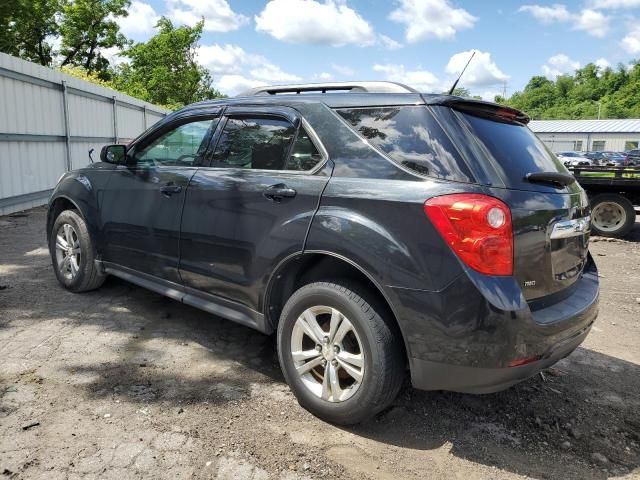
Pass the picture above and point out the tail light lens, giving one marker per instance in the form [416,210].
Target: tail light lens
[478,229]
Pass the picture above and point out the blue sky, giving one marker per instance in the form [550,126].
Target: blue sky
[423,43]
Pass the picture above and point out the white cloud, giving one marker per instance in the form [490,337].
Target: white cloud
[224,58]
[235,69]
[422,80]
[426,19]
[112,54]
[545,14]
[389,43]
[313,22]
[482,71]
[235,84]
[594,23]
[559,65]
[590,21]
[615,3]
[141,20]
[631,42]
[218,15]
[602,63]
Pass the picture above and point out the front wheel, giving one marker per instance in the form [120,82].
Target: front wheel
[339,354]
[72,253]
[612,215]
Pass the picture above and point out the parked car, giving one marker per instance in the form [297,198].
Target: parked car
[632,158]
[573,159]
[374,231]
[606,158]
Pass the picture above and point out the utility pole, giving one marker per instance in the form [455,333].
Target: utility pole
[599,107]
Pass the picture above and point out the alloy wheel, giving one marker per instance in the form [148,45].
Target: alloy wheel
[67,251]
[327,353]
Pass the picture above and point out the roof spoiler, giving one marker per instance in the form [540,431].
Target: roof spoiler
[349,87]
[480,108]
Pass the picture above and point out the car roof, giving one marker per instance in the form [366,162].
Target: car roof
[342,100]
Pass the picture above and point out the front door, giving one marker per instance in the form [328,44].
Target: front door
[253,205]
[144,199]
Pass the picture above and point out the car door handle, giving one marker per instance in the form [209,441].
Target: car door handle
[170,189]
[278,192]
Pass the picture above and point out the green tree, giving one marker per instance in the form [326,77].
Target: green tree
[87,28]
[27,27]
[164,70]
[615,92]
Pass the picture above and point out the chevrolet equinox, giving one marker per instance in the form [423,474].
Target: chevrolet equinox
[374,229]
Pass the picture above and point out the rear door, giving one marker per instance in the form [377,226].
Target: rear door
[551,221]
[252,206]
[142,203]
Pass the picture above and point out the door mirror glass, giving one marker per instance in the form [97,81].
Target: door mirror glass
[115,154]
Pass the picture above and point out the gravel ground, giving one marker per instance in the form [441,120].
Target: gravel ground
[123,383]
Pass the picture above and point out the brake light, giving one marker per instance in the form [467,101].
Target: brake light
[477,228]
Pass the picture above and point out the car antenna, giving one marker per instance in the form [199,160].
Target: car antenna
[455,84]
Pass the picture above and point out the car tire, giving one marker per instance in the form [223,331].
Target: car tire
[73,253]
[612,215]
[365,336]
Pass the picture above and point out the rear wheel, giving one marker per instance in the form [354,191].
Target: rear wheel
[342,359]
[612,215]
[72,253]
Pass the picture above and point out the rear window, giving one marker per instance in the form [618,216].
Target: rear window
[514,149]
[412,137]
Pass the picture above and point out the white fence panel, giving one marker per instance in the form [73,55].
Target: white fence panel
[37,145]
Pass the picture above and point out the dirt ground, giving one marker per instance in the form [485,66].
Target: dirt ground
[124,383]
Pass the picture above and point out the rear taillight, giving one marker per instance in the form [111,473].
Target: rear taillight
[478,229]
[625,160]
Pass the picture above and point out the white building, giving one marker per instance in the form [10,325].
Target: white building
[588,135]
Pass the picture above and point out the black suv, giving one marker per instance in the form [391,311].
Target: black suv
[374,228]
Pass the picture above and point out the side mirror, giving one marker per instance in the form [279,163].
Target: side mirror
[116,154]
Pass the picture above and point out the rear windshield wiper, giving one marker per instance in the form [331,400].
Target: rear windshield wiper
[554,178]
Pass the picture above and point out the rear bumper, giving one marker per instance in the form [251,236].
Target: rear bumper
[426,375]
[465,337]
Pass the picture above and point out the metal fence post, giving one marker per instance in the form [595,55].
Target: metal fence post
[115,120]
[67,133]
[144,117]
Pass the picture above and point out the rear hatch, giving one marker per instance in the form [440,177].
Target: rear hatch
[550,211]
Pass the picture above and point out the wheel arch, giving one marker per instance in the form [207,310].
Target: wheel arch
[58,205]
[315,265]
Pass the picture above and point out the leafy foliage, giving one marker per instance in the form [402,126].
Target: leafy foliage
[87,28]
[27,26]
[616,92]
[164,70]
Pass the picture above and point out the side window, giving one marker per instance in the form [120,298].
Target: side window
[412,137]
[304,154]
[254,143]
[183,146]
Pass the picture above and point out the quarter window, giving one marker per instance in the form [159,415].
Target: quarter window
[183,146]
[412,137]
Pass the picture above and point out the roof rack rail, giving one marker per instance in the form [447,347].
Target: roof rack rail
[355,87]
